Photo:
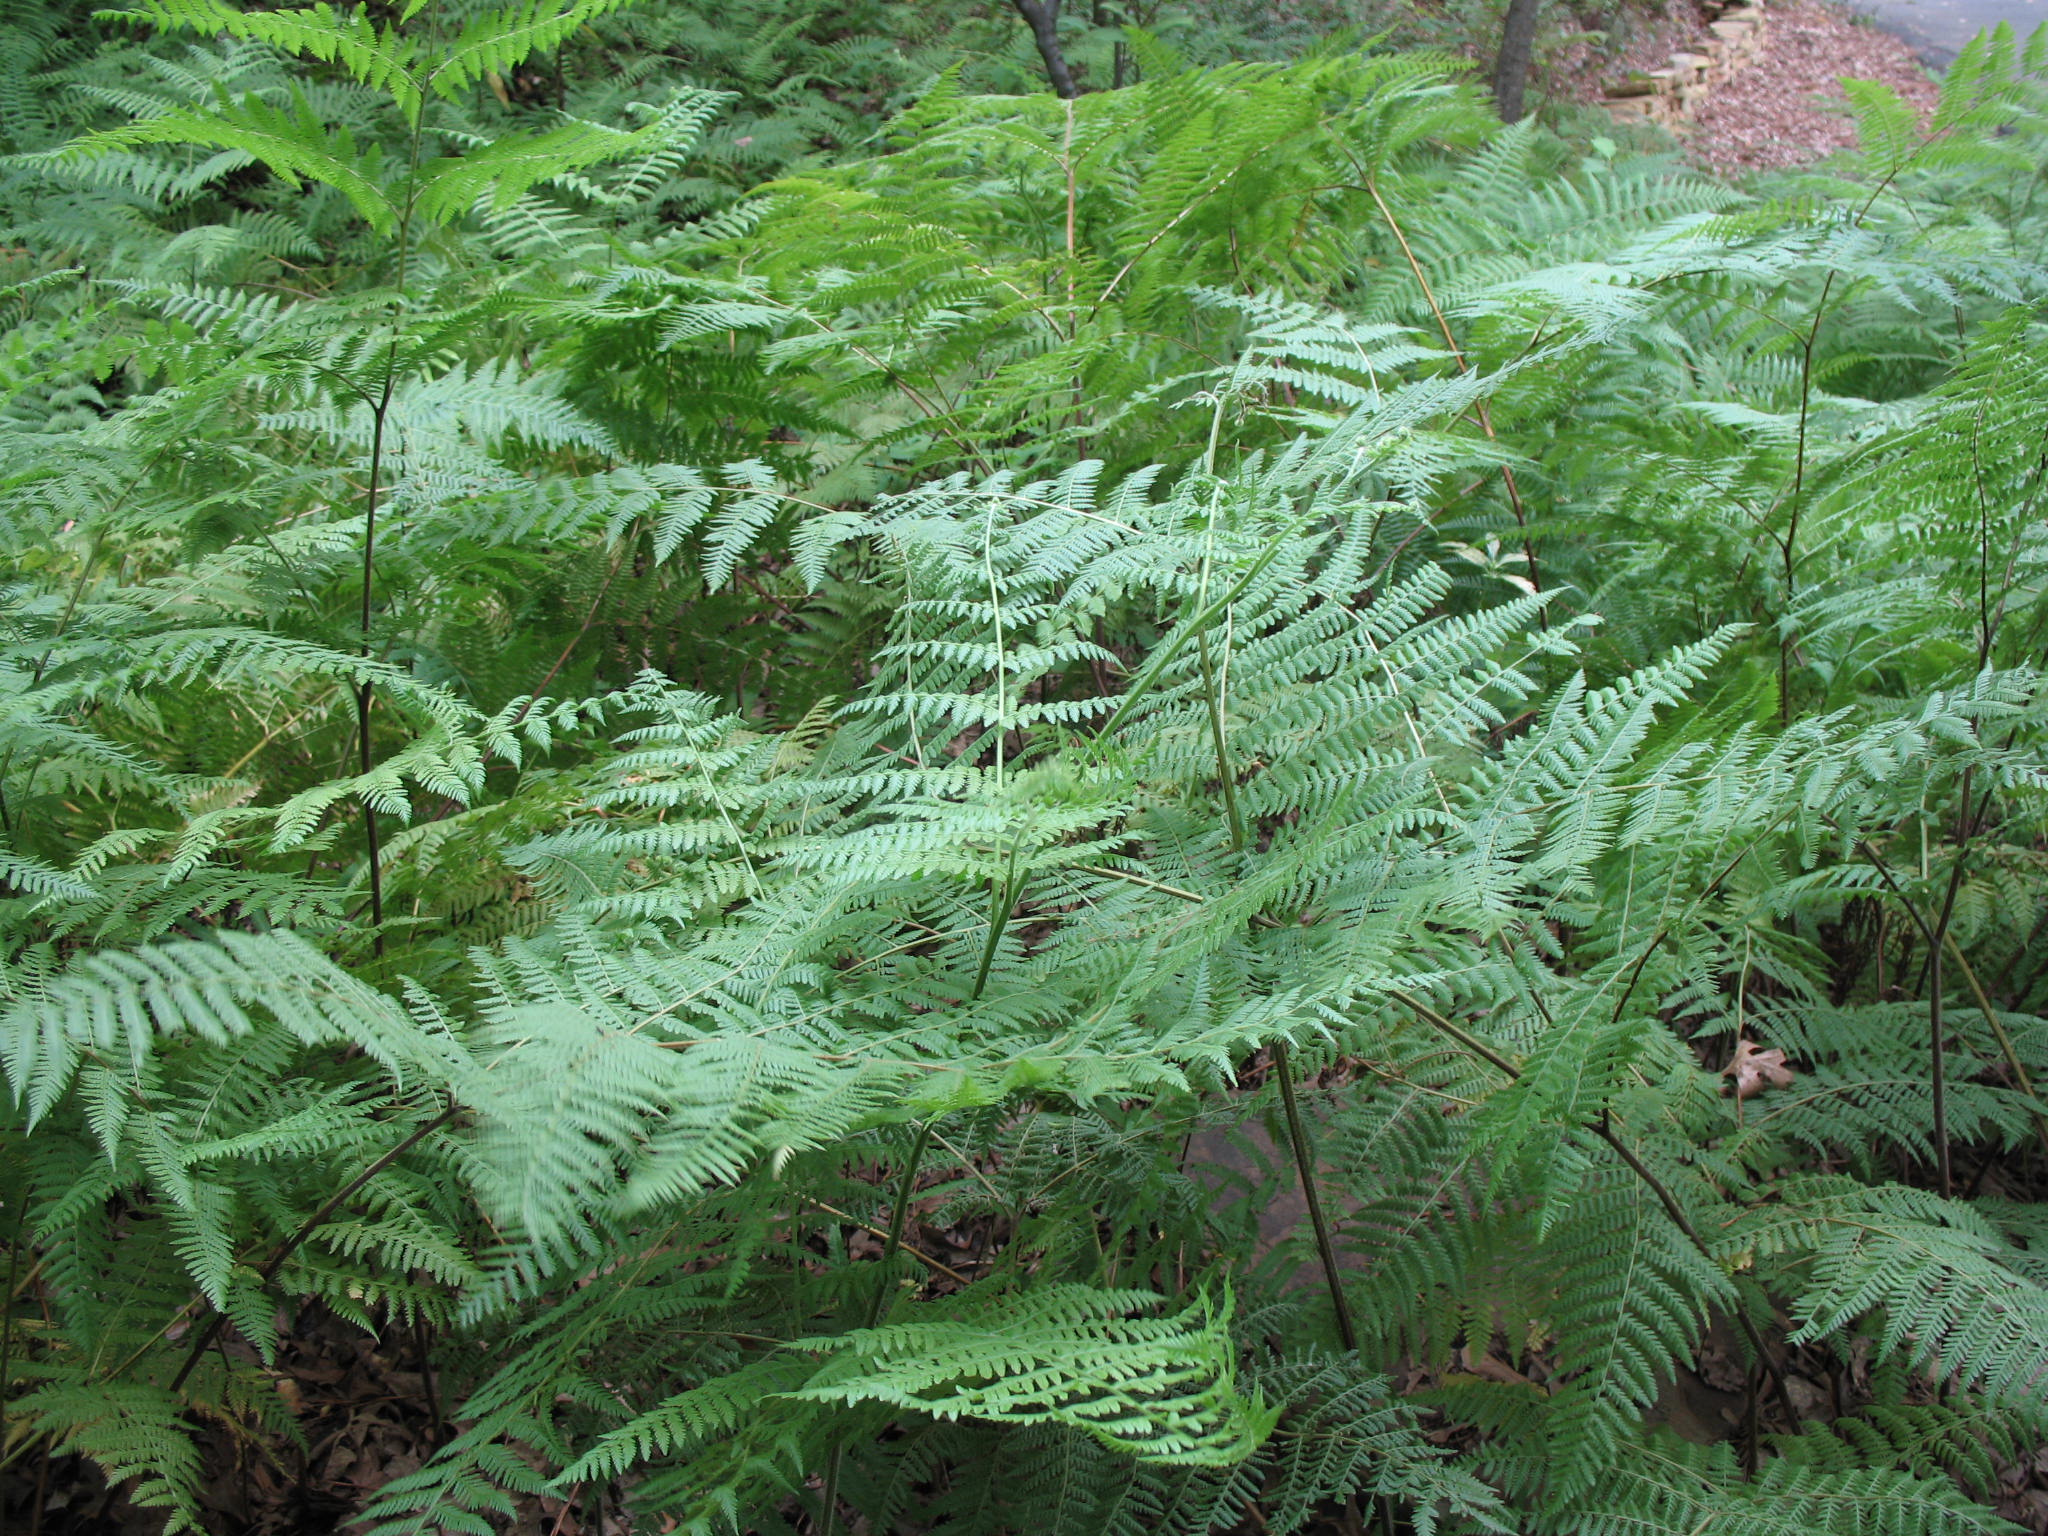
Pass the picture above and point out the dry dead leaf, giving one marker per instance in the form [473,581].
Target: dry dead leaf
[1755,1069]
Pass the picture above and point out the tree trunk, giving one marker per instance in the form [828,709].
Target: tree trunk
[1043,17]
[1511,69]
[1119,54]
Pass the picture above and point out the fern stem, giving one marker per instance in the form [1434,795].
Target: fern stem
[1182,633]
[35,681]
[1150,885]
[1305,1170]
[2017,1067]
[912,1249]
[1938,937]
[941,419]
[1002,901]
[1790,549]
[380,415]
[1968,819]
[1604,1129]
[1224,775]
[7,1317]
[1442,1025]
[1283,1061]
[898,1218]
[269,1268]
[366,691]
[1937,1074]
[1479,408]
[1657,939]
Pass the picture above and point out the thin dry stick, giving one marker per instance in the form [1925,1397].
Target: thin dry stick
[273,733]
[968,1164]
[568,1503]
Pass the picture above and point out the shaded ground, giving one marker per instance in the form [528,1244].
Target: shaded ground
[365,1412]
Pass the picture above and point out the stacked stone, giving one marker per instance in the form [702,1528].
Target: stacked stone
[1670,95]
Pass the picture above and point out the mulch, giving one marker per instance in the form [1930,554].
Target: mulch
[1788,108]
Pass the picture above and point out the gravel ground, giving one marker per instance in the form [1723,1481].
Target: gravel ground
[1788,108]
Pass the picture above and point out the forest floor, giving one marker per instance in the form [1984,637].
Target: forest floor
[1787,108]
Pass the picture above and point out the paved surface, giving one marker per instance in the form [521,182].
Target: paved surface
[1937,29]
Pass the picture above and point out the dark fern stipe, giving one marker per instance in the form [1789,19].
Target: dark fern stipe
[802,792]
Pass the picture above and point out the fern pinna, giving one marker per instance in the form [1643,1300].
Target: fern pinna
[764,828]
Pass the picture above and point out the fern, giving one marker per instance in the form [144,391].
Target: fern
[785,821]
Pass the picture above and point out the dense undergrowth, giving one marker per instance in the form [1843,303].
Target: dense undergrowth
[597,754]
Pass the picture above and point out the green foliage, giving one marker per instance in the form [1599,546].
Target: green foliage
[715,799]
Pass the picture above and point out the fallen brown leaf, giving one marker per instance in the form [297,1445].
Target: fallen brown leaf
[1755,1069]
